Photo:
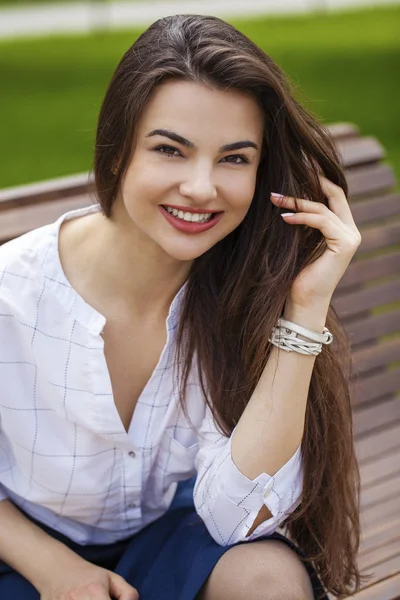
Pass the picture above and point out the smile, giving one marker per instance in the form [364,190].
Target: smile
[188,222]
[189,216]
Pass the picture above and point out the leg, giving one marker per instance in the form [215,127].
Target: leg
[263,570]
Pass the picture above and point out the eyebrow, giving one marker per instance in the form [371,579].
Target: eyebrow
[181,140]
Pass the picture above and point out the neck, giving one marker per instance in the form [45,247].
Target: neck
[128,274]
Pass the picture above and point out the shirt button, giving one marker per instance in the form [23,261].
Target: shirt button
[132,454]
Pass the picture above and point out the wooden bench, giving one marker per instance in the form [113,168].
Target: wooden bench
[368,301]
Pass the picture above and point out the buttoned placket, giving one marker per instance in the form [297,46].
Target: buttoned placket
[130,455]
[133,475]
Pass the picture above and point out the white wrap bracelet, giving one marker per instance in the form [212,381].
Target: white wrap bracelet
[284,336]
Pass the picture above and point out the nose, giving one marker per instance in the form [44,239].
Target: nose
[199,184]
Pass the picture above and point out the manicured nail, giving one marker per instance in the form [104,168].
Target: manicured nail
[287,214]
[276,195]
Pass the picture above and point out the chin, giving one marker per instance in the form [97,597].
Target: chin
[185,254]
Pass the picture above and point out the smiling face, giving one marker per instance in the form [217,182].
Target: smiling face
[197,149]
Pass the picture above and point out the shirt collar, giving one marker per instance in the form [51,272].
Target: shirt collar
[56,279]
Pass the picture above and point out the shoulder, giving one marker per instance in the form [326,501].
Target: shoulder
[21,261]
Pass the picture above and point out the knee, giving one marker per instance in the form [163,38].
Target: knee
[264,570]
[280,576]
[272,587]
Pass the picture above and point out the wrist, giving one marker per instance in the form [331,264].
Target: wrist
[54,561]
[312,317]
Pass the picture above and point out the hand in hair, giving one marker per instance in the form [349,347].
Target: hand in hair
[317,282]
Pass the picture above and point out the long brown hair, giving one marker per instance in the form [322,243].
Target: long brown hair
[237,290]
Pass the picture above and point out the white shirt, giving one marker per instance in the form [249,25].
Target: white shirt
[65,457]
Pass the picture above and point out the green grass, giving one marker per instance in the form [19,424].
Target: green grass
[14,3]
[344,67]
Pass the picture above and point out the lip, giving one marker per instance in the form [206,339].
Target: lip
[200,211]
[188,226]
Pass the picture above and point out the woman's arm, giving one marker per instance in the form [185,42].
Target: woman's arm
[27,548]
[272,424]
[50,566]
[249,483]
[229,502]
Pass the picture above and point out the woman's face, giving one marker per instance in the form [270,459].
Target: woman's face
[180,161]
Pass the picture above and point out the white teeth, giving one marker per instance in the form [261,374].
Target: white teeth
[188,216]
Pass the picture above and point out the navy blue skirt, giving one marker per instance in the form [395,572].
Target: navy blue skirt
[170,559]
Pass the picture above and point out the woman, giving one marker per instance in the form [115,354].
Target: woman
[140,345]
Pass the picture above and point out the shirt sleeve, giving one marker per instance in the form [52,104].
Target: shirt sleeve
[228,502]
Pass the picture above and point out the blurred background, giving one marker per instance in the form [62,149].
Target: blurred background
[56,60]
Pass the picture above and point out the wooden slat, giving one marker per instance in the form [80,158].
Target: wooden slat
[375,209]
[380,469]
[386,569]
[378,536]
[376,238]
[363,330]
[350,305]
[379,443]
[17,221]
[369,180]
[376,356]
[378,415]
[386,490]
[366,270]
[359,150]
[377,515]
[376,386]
[387,589]
[343,130]
[369,560]
[375,530]
[45,191]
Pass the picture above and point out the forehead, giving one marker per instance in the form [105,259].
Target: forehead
[199,112]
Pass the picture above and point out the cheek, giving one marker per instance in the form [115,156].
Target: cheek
[241,194]
[142,184]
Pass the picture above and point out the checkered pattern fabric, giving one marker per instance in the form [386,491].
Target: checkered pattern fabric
[65,457]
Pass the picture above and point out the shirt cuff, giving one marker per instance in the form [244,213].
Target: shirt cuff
[278,492]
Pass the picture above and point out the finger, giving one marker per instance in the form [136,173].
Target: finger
[120,589]
[338,238]
[302,205]
[338,202]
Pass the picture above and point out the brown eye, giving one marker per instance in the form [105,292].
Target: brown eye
[243,159]
[166,150]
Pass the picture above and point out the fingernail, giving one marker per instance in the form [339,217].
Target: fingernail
[287,214]
[276,195]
